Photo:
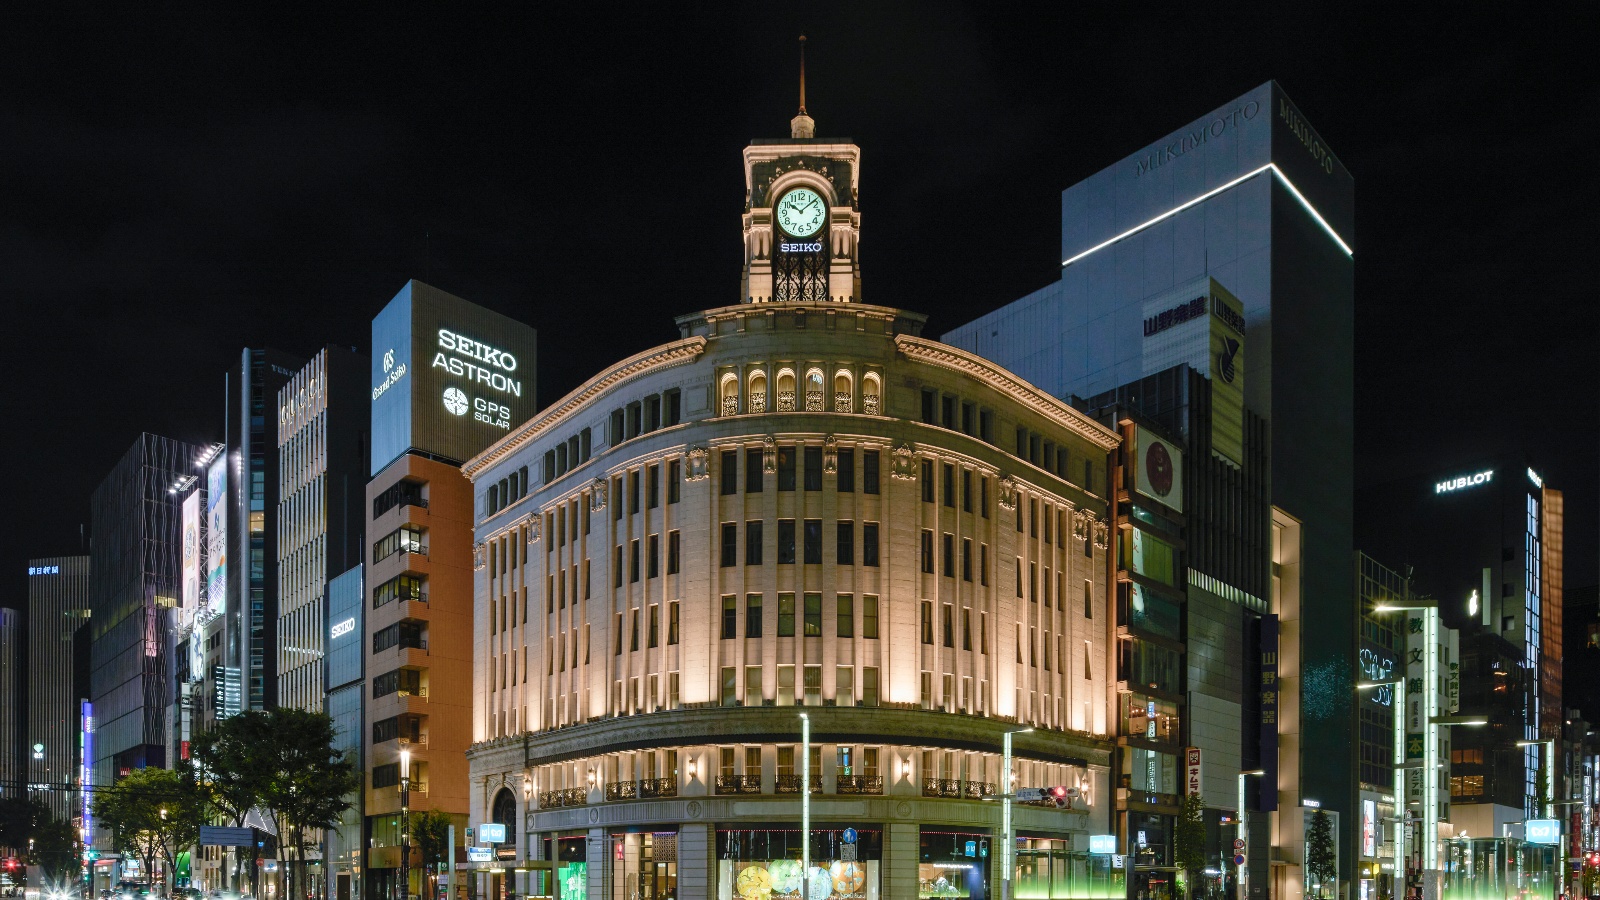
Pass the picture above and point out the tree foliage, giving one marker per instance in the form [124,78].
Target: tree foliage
[1189,838]
[152,813]
[430,830]
[28,823]
[1322,862]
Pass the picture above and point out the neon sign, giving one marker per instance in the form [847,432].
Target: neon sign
[1465,481]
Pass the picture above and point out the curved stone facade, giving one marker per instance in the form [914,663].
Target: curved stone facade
[795,508]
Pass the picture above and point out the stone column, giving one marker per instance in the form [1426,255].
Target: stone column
[599,863]
[901,850]
[697,867]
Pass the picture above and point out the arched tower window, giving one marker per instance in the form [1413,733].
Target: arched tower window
[786,393]
[814,390]
[870,399]
[730,394]
[843,392]
[758,392]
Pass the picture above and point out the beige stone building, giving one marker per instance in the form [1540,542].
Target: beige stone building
[801,506]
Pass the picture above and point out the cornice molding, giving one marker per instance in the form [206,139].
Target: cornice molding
[677,353]
[972,365]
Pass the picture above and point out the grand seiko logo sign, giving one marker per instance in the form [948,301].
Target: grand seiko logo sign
[477,362]
[1195,135]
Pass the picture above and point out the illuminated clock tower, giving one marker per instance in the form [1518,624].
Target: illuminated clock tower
[802,222]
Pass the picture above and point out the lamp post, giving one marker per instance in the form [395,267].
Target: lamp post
[1242,876]
[405,822]
[1399,685]
[1549,773]
[805,805]
[1007,791]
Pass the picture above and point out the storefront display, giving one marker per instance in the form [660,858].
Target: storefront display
[644,865]
[1048,869]
[954,865]
[765,864]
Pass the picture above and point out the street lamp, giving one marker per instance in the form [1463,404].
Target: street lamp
[805,805]
[1007,791]
[1399,685]
[1241,877]
[405,822]
[1549,773]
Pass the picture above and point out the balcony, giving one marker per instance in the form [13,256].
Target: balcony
[790,784]
[643,789]
[956,789]
[841,402]
[786,401]
[563,797]
[858,784]
[739,784]
[869,404]
[730,405]
[421,692]
[758,401]
[813,401]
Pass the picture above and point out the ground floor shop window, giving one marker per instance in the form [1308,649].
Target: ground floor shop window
[765,864]
[572,867]
[1047,869]
[955,865]
[644,865]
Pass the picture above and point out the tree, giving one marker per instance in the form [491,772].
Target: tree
[1189,838]
[28,823]
[430,829]
[151,813]
[309,784]
[1321,856]
[229,764]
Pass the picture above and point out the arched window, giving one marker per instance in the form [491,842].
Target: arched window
[730,394]
[870,400]
[814,390]
[786,390]
[843,393]
[504,811]
[758,391]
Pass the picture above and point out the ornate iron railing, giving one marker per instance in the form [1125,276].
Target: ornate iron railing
[758,401]
[563,797]
[790,784]
[858,784]
[841,401]
[738,784]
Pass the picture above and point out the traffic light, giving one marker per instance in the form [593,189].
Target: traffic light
[1061,795]
[11,864]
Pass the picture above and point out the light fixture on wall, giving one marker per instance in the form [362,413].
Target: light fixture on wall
[527,786]
[591,777]
[691,768]
[905,767]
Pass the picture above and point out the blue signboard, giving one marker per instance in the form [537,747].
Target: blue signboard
[492,833]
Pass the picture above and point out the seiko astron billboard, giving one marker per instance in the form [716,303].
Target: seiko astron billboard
[449,377]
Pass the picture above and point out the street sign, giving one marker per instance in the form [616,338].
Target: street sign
[1103,844]
[1238,844]
[1238,859]
[1029,795]
[217,836]
[492,833]
[480,854]
[850,835]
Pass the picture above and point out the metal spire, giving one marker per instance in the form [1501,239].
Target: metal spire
[802,74]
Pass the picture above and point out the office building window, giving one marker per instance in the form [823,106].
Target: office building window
[869,616]
[845,615]
[730,544]
[813,468]
[869,543]
[846,462]
[786,468]
[672,552]
[752,543]
[785,542]
[752,615]
[927,621]
[786,615]
[730,617]
[927,551]
[753,471]
[813,623]
[845,544]
[812,542]
[869,471]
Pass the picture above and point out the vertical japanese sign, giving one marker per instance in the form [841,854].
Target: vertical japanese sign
[1268,800]
[1416,703]
[1191,764]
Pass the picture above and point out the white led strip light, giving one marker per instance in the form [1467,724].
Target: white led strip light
[1212,193]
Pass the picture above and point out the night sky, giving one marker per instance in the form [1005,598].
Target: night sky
[180,184]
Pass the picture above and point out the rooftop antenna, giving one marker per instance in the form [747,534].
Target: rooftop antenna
[802,125]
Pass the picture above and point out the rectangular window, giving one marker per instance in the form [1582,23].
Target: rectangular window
[844,688]
[869,471]
[730,544]
[786,615]
[1033,517]
[672,552]
[752,543]
[927,621]
[927,551]
[966,628]
[653,486]
[966,490]
[966,559]
[949,623]
[616,568]
[930,402]
[786,468]
[616,499]
[752,615]
[812,541]
[633,492]
[1020,593]
[869,616]
[752,697]
[730,695]
[1088,599]
[653,557]
[785,542]
[869,686]
[947,412]
[619,634]
[753,471]
[1033,582]
[845,615]
[655,627]
[983,564]
[633,560]
[845,544]
[672,625]
[927,481]
[869,544]
[674,481]
[968,418]
[926,695]
[983,632]
[813,623]
[785,686]
[948,554]
[846,462]
[633,637]
[1048,518]
[950,485]
[730,617]
[813,697]
[813,468]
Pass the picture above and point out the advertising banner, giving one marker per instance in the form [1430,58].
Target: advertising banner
[217,535]
[191,552]
[1369,828]
[1227,375]
[1268,737]
[1158,469]
[1191,765]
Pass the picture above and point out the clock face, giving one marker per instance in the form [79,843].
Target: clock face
[801,212]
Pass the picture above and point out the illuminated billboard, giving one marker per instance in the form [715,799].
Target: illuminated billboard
[449,377]
[1201,324]
[191,551]
[1158,469]
[217,535]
